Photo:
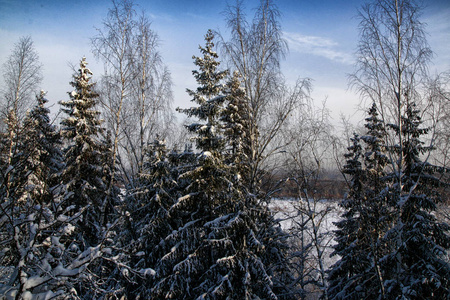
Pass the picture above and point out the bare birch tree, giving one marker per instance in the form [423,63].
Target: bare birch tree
[136,88]
[393,55]
[22,75]
[439,113]
[113,46]
[255,50]
[149,113]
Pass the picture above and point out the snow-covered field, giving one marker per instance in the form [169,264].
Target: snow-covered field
[287,211]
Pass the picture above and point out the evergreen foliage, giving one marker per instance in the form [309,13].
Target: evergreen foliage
[84,153]
[147,223]
[44,156]
[12,179]
[218,247]
[240,135]
[376,212]
[236,125]
[367,217]
[417,267]
[343,276]
[41,257]
[110,177]
[188,250]
[390,244]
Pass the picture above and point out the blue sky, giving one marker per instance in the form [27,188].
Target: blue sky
[322,37]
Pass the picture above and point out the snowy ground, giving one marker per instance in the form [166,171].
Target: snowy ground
[287,209]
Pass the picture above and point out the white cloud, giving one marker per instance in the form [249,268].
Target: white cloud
[318,46]
[162,17]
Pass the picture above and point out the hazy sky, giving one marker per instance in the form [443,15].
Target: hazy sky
[322,37]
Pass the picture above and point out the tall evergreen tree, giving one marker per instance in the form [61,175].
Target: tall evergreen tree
[190,255]
[376,213]
[13,195]
[215,251]
[236,123]
[10,149]
[147,224]
[390,243]
[44,155]
[43,253]
[144,222]
[83,155]
[238,133]
[393,55]
[111,179]
[368,217]
[416,268]
[344,274]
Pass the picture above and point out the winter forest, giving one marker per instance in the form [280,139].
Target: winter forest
[249,193]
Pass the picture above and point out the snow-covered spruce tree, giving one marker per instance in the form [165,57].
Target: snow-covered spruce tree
[103,277]
[376,211]
[392,70]
[45,157]
[237,132]
[236,124]
[213,253]
[12,186]
[83,154]
[111,178]
[343,276]
[40,255]
[369,214]
[146,223]
[416,268]
[182,162]
[9,150]
[391,245]
[155,183]
[13,195]
[181,272]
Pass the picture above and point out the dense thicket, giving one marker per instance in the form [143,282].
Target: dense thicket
[41,256]
[218,244]
[390,243]
[390,226]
